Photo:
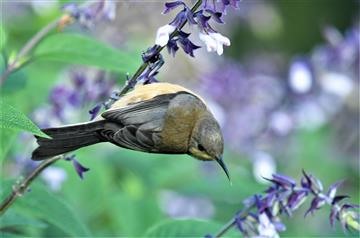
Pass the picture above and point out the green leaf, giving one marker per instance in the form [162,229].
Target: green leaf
[3,37]
[186,228]
[10,118]
[14,219]
[40,203]
[79,49]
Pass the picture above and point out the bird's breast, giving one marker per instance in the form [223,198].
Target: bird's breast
[182,113]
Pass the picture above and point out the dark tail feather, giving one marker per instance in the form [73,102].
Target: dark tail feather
[66,139]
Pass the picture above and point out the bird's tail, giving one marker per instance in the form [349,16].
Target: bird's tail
[66,139]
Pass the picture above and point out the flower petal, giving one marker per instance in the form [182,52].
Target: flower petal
[162,34]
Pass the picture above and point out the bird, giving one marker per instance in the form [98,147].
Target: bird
[159,117]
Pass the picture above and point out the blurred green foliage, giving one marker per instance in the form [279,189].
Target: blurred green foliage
[120,194]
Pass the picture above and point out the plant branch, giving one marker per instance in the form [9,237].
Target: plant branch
[20,189]
[232,222]
[226,228]
[33,42]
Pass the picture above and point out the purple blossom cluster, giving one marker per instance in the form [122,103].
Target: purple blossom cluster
[261,214]
[68,99]
[172,36]
[91,12]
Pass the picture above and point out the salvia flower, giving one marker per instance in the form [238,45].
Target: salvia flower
[163,34]
[266,228]
[91,12]
[261,215]
[79,168]
[213,40]
[220,5]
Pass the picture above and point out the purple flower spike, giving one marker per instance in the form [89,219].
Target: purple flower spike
[94,111]
[169,6]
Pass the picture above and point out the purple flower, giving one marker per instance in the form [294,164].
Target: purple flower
[180,19]
[186,44]
[88,15]
[316,203]
[172,47]
[310,182]
[296,199]
[333,188]
[220,5]
[216,16]
[283,181]
[95,111]
[214,41]
[260,216]
[78,80]
[58,95]
[169,6]
[80,169]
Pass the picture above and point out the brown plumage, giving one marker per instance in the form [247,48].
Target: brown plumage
[154,118]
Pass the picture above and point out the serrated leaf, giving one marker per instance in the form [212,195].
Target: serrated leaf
[79,49]
[10,118]
[185,228]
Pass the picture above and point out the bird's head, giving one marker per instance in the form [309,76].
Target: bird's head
[206,142]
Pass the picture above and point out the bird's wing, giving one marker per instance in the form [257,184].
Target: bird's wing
[140,123]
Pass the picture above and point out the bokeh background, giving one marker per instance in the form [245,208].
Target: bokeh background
[286,93]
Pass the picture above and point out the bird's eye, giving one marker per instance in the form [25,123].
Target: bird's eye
[201,148]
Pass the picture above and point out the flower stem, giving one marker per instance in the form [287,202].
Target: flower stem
[232,222]
[143,67]
[19,190]
[226,228]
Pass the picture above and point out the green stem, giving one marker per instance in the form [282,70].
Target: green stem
[143,67]
[20,189]
[31,44]
[244,213]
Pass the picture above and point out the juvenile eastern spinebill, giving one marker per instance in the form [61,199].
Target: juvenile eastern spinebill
[155,118]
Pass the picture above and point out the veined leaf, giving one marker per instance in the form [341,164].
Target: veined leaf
[79,49]
[10,118]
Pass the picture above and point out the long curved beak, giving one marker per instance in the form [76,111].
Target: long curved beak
[223,166]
